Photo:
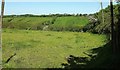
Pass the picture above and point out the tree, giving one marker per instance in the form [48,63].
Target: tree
[118,29]
[115,30]
[113,41]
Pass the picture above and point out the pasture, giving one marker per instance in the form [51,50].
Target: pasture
[45,49]
[64,23]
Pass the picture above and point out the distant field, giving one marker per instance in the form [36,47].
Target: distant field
[45,49]
[66,23]
[70,23]
[24,22]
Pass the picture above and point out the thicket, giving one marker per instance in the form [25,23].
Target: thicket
[100,26]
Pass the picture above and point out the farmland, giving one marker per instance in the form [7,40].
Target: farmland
[45,49]
[65,23]
[61,40]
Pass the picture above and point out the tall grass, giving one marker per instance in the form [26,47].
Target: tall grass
[45,49]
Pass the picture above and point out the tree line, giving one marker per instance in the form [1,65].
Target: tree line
[50,15]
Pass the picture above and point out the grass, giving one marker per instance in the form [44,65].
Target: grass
[24,22]
[70,23]
[73,21]
[45,49]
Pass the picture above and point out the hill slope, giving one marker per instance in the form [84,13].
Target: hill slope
[64,23]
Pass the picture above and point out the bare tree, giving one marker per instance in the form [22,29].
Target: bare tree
[102,11]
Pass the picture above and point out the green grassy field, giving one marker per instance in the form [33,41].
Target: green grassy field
[70,23]
[24,22]
[66,23]
[75,21]
[45,49]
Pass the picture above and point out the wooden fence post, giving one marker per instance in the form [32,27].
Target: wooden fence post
[1,21]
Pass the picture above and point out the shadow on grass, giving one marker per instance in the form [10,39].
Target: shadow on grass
[104,59]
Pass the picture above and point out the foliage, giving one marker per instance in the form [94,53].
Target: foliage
[105,27]
[50,15]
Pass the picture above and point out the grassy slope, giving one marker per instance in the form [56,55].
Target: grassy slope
[72,22]
[45,49]
[34,22]
[24,22]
